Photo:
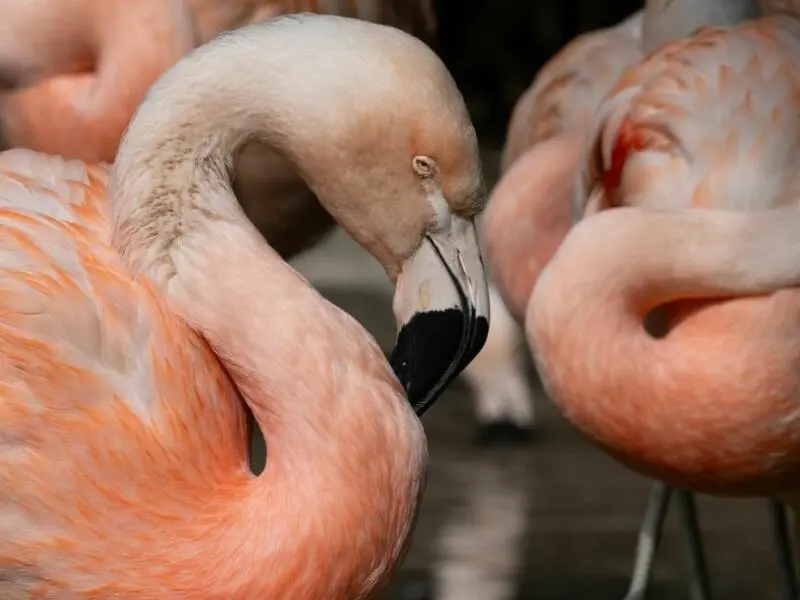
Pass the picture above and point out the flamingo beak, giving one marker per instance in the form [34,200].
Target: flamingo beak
[441,305]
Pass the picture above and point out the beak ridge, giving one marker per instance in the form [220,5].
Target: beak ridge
[441,306]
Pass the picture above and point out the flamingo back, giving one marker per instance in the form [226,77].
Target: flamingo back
[569,88]
[709,121]
[705,122]
[106,397]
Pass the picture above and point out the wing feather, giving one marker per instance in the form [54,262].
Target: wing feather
[86,347]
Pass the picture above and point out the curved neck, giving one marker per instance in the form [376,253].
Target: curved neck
[615,381]
[305,100]
[345,453]
[671,255]
[628,261]
[666,20]
[528,216]
[174,215]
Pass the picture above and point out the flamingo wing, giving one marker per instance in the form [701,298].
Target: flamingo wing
[569,88]
[108,402]
[708,121]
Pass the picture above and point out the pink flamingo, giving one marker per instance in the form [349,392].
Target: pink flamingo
[51,116]
[529,212]
[134,323]
[701,124]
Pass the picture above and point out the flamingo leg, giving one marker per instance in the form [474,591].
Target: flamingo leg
[781,525]
[699,580]
[649,537]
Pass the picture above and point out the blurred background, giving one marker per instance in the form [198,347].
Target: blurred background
[532,512]
[494,48]
[550,518]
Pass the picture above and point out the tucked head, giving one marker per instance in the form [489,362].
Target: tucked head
[374,123]
[380,131]
[412,180]
[399,168]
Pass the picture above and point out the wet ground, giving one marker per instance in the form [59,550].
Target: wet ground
[553,519]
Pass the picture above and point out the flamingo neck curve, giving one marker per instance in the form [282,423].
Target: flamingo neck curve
[717,412]
[331,514]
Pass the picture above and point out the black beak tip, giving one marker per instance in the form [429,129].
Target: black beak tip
[479,336]
[432,349]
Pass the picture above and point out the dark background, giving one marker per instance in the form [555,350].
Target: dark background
[494,47]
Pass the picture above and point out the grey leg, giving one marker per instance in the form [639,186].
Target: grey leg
[781,525]
[699,581]
[649,537]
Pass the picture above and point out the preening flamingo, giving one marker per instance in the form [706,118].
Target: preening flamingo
[134,322]
[704,398]
[53,116]
[528,215]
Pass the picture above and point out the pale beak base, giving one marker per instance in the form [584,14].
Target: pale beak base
[442,309]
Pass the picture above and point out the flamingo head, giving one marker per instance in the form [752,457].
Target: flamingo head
[399,169]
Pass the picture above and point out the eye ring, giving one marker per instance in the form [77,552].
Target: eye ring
[424,166]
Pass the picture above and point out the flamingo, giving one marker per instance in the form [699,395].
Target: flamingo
[702,124]
[529,212]
[40,117]
[140,306]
